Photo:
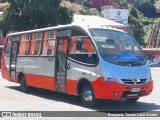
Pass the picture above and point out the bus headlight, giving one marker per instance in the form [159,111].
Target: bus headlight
[107,79]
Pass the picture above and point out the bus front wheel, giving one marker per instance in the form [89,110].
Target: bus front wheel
[132,99]
[23,84]
[88,96]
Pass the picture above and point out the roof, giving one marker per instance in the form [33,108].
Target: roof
[95,20]
[101,3]
[109,4]
[151,49]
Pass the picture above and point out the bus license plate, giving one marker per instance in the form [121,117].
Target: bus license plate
[135,90]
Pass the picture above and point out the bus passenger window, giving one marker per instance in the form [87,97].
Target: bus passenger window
[24,45]
[49,43]
[36,42]
[87,53]
[8,46]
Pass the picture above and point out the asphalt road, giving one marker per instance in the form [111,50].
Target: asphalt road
[12,99]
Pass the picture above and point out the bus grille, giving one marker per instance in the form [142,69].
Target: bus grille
[134,81]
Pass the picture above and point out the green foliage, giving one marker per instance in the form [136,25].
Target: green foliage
[30,14]
[133,11]
[147,9]
[93,11]
[146,21]
[122,3]
[132,20]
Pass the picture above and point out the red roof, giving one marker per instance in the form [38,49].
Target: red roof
[101,3]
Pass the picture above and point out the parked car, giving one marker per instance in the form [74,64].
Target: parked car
[156,65]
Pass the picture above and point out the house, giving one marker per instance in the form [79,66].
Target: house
[112,11]
[101,3]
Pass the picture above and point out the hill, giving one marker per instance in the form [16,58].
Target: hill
[141,18]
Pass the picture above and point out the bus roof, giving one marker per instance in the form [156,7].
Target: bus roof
[83,21]
[96,20]
[84,26]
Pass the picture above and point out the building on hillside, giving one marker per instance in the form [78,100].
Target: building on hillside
[112,11]
[105,6]
[108,3]
[152,54]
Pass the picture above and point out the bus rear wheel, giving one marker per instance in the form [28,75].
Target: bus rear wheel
[88,97]
[132,99]
[23,84]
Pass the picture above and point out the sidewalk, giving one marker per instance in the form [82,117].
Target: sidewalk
[155,68]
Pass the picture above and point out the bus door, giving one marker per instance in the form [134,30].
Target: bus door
[13,59]
[61,63]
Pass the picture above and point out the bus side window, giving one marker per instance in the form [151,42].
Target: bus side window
[86,54]
[8,46]
[24,45]
[48,43]
[36,42]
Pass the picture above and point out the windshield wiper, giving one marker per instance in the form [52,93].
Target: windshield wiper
[129,62]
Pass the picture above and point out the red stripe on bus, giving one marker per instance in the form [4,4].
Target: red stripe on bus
[5,71]
[72,87]
[40,81]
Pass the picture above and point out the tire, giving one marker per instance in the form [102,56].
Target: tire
[23,84]
[132,99]
[88,97]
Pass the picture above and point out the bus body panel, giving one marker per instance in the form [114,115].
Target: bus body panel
[118,72]
[37,73]
[76,72]
[118,91]
[5,66]
[106,90]
[38,81]
[36,66]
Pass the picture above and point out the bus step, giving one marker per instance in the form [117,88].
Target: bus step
[13,79]
[61,88]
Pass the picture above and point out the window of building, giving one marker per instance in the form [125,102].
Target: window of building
[49,43]
[36,42]
[24,44]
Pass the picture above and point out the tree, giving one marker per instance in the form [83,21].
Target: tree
[31,14]
[133,11]
[122,3]
[147,9]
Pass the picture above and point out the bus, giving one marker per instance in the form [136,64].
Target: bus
[91,61]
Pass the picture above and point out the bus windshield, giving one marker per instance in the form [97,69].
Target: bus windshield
[118,48]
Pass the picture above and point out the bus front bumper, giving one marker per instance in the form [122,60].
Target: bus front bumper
[118,91]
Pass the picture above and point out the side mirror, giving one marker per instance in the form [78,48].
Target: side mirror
[79,45]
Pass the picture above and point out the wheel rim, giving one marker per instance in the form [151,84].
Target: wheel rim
[88,95]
